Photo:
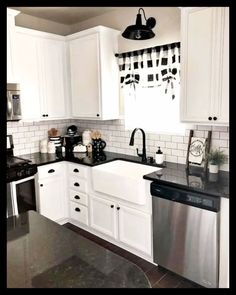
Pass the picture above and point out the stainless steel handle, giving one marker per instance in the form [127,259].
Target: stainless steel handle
[9,105]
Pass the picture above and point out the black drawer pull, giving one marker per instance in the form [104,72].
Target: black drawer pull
[51,171]
[76,184]
[77,209]
[214,118]
[118,208]
[210,118]
[41,184]
[77,197]
[76,170]
[112,206]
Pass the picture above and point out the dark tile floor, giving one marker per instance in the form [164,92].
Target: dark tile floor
[158,276]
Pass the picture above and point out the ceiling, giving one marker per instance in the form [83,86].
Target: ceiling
[65,15]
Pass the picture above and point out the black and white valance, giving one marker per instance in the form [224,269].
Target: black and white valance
[151,67]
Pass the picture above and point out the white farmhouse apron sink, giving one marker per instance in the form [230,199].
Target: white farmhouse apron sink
[122,179]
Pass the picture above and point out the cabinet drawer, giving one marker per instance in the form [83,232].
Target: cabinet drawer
[78,184]
[78,197]
[77,170]
[79,212]
[50,170]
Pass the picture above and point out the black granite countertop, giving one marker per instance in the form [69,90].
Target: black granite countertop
[194,180]
[170,174]
[44,254]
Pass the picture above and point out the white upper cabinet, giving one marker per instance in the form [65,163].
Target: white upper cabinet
[10,45]
[41,71]
[205,65]
[94,74]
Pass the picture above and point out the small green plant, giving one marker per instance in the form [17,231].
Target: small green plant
[216,157]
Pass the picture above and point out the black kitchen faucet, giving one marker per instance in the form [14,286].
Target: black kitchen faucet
[143,155]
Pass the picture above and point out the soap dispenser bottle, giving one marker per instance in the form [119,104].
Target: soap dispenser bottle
[159,156]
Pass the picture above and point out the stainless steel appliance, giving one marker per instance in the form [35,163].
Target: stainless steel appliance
[186,233]
[20,182]
[13,102]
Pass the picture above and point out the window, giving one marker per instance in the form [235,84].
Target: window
[151,89]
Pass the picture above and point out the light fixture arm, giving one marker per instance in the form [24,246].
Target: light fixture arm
[143,13]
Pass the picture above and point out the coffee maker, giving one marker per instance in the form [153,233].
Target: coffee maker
[71,139]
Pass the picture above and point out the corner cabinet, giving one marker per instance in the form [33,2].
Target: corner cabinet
[205,65]
[94,73]
[41,71]
[51,192]
[11,13]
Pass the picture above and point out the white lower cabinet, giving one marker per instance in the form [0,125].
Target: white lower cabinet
[103,216]
[51,192]
[135,229]
[126,225]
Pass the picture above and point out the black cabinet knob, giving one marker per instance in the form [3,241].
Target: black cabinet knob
[77,197]
[51,171]
[41,184]
[98,115]
[77,209]
[118,208]
[76,184]
[112,206]
[210,118]
[44,115]
[214,118]
[76,170]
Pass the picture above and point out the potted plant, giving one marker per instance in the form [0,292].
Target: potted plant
[215,159]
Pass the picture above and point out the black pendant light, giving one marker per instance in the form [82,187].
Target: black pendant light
[139,31]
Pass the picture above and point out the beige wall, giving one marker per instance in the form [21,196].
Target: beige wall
[167,29]
[36,23]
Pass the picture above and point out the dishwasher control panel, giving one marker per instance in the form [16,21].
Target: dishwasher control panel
[187,197]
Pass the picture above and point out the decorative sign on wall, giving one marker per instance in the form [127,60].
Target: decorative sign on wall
[198,148]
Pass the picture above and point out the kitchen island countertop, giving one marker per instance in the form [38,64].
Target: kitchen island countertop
[44,254]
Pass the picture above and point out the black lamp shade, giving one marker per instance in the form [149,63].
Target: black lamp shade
[138,31]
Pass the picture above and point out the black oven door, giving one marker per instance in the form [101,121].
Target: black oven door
[21,196]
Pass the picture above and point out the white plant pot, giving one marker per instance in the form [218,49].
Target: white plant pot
[213,168]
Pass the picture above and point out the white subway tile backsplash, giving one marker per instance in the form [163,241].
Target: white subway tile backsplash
[165,137]
[204,127]
[220,128]
[224,135]
[177,153]
[177,139]
[171,145]
[182,146]
[27,135]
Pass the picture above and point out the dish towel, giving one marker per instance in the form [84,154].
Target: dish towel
[197,150]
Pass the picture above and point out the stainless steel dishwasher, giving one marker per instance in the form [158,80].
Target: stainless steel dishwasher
[186,233]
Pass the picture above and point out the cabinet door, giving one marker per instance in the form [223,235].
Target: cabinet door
[222,112]
[135,229]
[201,65]
[52,197]
[196,69]
[27,70]
[103,216]
[51,56]
[85,83]
[11,75]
